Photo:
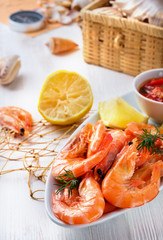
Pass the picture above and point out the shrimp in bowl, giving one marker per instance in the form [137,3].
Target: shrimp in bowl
[130,175]
[85,205]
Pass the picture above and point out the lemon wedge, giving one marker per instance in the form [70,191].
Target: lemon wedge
[116,112]
[65,97]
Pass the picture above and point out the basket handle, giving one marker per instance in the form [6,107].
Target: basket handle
[119,41]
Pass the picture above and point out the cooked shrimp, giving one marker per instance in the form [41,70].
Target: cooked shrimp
[109,207]
[96,138]
[133,129]
[85,208]
[69,199]
[141,156]
[116,185]
[80,166]
[119,140]
[78,145]
[155,157]
[144,173]
[16,119]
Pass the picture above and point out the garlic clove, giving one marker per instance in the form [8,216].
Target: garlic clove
[9,69]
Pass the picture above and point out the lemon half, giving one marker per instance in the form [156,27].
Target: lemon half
[65,97]
[116,112]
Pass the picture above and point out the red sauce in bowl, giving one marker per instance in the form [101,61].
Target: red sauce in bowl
[152,89]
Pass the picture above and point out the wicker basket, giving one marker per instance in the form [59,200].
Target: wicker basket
[120,44]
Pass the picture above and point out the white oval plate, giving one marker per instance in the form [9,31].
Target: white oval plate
[50,187]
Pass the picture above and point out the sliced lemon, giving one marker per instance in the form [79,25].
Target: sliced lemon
[116,112]
[65,97]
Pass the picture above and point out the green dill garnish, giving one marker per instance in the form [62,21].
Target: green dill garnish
[146,141]
[66,179]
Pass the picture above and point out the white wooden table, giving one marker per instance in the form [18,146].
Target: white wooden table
[22,218]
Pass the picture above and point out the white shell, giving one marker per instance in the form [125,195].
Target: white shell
[9,69]
[56,17]
[80,3]
[142,9]
[108,11]
[63,15]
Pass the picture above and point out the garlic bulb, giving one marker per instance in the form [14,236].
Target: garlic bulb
[9,69]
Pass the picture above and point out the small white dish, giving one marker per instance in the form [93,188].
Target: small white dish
[150,107]
[50,187]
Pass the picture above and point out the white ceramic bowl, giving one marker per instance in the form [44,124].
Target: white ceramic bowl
[150,107]
[50,187]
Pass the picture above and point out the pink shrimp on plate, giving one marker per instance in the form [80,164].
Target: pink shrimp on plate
[16,119]
[119,140]
[119,188]
[80,166]
[84,206]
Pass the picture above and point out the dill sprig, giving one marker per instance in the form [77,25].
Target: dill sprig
[66,179]
[146,140]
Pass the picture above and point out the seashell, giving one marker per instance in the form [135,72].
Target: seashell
[157,19]
[9,69]
[49,8]
[127,6]
[69,17]
[61,9]
[40,3]
[108,11]
[65,19]
[142,9]
[64,3]
[80,3]
[60,45]
[55,18]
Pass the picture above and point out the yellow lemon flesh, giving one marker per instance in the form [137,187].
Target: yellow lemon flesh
[65,98]
[116,112]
